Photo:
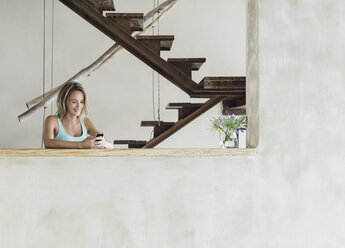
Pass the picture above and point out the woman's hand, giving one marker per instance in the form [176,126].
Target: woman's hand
[104,143]
[92,143]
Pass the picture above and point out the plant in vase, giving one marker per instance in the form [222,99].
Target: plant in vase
[228,128]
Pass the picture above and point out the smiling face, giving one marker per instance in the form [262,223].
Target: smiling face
[75,103]
[72,101]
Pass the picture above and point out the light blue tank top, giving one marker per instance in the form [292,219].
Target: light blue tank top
[63,135]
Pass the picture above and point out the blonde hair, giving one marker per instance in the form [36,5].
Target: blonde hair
[63,98]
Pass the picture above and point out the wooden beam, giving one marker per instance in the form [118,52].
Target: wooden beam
[124,152]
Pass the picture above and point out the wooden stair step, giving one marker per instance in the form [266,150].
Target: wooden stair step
[129,22]
[126,15]
[228,83]
[187,65]
[156,123]
[157,43]
[213,93]
[180,105]
[239,110]
[102,5]
[195,63]
[184,109]
[131,143]
[106,5]
[234,106]
[159,127]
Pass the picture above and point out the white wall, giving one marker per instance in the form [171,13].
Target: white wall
[291,194]
[120,95]
[299,192]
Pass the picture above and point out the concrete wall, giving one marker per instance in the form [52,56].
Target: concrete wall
[291,194]
[120,95]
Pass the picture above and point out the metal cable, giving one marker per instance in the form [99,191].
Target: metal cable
[52,55]
[155,4]
[153,72]
[158,82]
[44,63]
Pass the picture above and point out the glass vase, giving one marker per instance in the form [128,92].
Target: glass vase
[231,142]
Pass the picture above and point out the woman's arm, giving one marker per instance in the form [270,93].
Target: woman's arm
[51,124]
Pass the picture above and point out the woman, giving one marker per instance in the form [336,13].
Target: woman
[69,128]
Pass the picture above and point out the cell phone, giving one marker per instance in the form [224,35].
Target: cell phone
[99,135]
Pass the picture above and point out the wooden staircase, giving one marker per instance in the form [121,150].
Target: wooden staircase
[184,121]
[147,48]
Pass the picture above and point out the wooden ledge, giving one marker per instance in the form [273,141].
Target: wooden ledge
[125,152]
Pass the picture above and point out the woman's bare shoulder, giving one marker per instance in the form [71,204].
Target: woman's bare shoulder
[51,120]
[86,120]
